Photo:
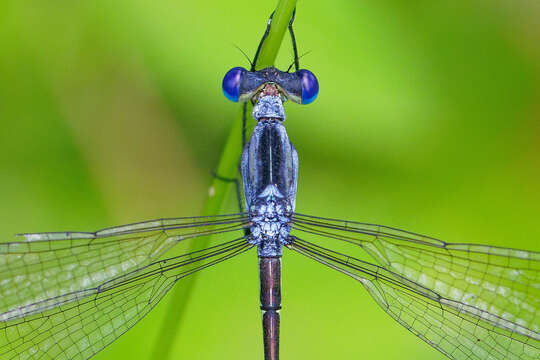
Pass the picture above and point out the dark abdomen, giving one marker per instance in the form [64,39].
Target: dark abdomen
[270,279]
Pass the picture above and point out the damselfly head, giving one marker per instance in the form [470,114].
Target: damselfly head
[241,85]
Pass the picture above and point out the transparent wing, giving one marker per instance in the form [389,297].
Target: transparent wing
[49,265]
[459,290]
[78,324]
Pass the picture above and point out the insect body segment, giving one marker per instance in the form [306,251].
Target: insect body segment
[270,173]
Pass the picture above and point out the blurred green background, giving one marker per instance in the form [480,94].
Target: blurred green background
[427,119]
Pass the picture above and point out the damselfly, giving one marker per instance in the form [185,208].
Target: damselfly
[67,295]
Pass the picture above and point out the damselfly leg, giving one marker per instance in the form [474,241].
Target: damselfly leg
[293,40]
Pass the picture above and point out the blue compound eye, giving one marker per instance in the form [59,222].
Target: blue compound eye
[310,86]
[231,83]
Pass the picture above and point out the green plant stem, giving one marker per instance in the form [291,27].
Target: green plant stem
[228,168]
